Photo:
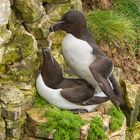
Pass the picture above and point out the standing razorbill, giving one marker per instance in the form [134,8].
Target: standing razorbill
[85,58]
[62,92]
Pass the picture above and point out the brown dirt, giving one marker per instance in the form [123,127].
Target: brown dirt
[127,62]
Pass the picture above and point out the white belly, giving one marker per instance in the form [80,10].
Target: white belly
[79,55]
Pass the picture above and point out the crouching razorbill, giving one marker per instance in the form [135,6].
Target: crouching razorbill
[70,94]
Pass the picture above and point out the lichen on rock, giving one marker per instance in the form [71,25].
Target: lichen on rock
[132,95]
[29,11]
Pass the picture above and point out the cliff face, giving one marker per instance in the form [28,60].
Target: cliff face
[24,28]
[24,31]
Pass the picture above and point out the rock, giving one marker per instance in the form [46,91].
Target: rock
[12,113]
[77,5]
[4,17]
[23,45]
[5,12]
[136,131]
[15,133]
[40,28]
[117,73]
[1,53]
[119,134]
[23,65]
[27,104]
[41,44]
[4,35]
[56,1]
[11,95]
[31,138]
[104,107]
[10,124]
[102,4]
[2,134]
[35,118]
[2,129]
[56,14]
[30,10]
[133,133]
[132,92]
[88,117]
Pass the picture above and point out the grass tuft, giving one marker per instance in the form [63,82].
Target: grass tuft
[117,119]
[130,8]
[109,27]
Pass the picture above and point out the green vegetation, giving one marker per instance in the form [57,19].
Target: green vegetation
[117,119]
[64,124]
[119,25]
[96,130]
[40,102]
[109,27]
[129,8]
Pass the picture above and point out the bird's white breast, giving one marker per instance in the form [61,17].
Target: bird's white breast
[79,55]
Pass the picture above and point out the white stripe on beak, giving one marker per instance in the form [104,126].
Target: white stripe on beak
[56,24]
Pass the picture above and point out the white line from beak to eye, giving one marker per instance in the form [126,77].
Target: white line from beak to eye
[50,43]
[50,39]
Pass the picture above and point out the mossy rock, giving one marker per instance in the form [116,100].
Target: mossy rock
[20,53]
[47,121]
[55,1]
[4,34]
[132,95]
[40,28]
[22,45]
[15,124]
[133,133]
[28,11]
[10,94]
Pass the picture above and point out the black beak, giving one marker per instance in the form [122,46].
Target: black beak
[56,26]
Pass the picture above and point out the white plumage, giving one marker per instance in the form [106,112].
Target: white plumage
[79,55]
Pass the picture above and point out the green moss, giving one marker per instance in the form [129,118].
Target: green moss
[40,102]
[20,59]
[28,11]
[20,46]
[116,120]
[11,54]
[2,69]
[66,124]
[109,27]
[96,130]
[25,43]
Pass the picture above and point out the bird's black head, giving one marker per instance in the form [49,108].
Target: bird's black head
[72,22]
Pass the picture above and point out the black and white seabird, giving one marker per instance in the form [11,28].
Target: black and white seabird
[85,58]
[64,93]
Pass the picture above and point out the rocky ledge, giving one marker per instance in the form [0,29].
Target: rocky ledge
[94,125]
